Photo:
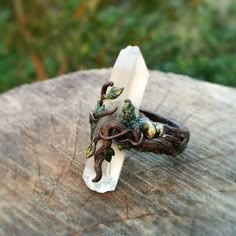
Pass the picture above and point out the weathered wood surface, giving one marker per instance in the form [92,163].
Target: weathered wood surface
[44,132]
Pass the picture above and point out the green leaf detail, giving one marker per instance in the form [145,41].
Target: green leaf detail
[114,93]
[110,152]
[91,150]
[93,126]
[99,108]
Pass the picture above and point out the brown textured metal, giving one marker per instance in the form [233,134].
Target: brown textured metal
[104,90]
[174,141]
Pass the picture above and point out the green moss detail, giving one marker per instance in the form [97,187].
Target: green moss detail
[128,117]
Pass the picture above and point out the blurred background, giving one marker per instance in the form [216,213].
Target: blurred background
[41,39]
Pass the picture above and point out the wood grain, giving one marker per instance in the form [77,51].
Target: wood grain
[44,132]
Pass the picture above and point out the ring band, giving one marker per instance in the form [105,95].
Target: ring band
[174,139]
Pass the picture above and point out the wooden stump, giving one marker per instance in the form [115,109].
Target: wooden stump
[44,132]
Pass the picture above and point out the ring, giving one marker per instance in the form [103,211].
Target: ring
[145,132]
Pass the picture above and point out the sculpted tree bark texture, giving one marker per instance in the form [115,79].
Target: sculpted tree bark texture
[44,133]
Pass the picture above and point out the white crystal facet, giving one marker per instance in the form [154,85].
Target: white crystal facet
[130,72]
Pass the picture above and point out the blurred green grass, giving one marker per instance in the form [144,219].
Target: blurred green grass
[41,39]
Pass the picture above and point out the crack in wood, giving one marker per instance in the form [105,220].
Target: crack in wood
[53,121]
[73,157]
[121,220]
[57,183]
[76,140]
[87,200]
[126,207]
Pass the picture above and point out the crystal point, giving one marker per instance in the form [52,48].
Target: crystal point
[129,72]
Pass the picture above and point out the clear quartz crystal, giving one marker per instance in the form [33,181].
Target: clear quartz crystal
[130,72]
